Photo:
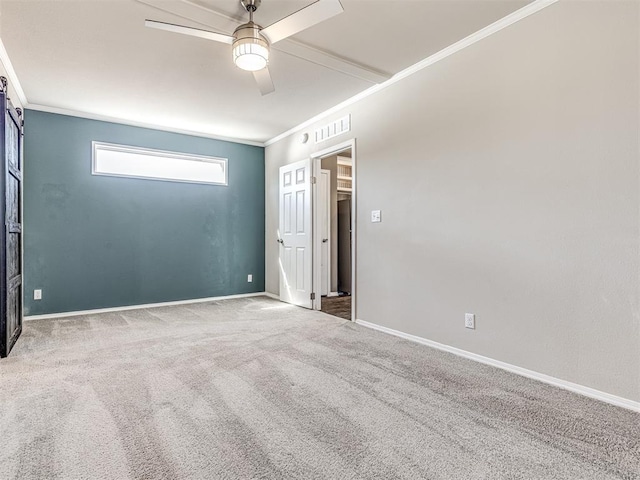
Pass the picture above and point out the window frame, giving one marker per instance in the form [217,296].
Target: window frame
[97,146]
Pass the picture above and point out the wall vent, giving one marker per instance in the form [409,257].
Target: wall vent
[333,129]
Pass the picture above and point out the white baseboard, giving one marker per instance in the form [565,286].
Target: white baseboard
[333,294]
[573,387]
[272,295]
[138,307]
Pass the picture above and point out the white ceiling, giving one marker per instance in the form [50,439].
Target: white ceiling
[96,57]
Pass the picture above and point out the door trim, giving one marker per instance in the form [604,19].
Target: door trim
[316,163]
[328,220]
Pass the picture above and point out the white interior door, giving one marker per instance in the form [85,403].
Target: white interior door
[324,211]
[295,235]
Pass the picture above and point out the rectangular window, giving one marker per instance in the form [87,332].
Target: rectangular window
[123,161]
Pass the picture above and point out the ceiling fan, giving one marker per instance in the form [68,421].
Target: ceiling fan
[251,43]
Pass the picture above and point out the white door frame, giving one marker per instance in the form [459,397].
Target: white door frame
[326,200]
[316,164]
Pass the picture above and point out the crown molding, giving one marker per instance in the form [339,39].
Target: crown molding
[132,123]
[11,73]
[495,27]
[15,83]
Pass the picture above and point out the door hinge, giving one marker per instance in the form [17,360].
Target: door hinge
[313,296]
[313,180]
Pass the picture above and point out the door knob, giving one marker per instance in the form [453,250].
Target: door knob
[325,240]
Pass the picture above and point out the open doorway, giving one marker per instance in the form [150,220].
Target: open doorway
[317,231]
[335,224]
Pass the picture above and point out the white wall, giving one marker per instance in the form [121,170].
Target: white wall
[508,179]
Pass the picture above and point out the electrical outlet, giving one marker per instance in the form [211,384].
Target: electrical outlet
[249,278]
[470,320]
[375,216]
[37,294]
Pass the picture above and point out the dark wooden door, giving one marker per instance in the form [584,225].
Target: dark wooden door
[11,237]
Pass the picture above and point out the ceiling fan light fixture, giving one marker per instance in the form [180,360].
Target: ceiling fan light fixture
[250,43]
[250,49]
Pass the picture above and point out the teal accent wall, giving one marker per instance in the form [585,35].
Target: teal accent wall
[96,242]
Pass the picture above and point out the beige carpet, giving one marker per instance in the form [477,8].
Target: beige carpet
[255,389]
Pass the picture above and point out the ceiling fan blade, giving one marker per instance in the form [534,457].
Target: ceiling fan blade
[264,81]
[317,12]
[194,32]
[331,61]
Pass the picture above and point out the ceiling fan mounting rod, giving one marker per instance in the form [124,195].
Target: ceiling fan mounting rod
[250,6]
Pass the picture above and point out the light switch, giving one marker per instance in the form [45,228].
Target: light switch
[375,216]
